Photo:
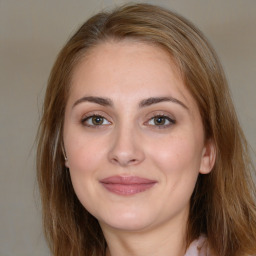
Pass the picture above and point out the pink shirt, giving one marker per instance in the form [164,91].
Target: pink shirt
[199,247]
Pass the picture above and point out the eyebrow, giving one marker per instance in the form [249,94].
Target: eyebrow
[155,100]
[97,100]
[144,103]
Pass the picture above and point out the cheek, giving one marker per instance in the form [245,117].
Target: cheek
[84,159]
[84,155]
[177,154]
[178,159]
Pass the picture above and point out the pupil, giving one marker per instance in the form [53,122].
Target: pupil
[159,120]
[97,120]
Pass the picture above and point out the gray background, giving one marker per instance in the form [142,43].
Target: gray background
[32,33]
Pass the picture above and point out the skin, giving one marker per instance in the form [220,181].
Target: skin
[128,141]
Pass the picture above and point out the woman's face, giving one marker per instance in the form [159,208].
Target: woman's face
[133,137]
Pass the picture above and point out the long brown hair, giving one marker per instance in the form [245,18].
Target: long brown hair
[223,202]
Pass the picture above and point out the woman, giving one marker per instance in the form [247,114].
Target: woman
[140,151]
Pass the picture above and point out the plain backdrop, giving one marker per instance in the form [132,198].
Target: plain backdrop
[32,33]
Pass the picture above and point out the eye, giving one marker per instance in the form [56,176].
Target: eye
[95,120]
[161,121]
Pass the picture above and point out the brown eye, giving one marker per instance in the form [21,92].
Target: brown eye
[161,121]
[95,120]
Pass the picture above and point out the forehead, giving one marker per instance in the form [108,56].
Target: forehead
[124,68]
[127,52]
[125,56]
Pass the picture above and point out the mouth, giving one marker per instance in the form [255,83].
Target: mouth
[127,185]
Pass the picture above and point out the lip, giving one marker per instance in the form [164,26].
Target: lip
[127,185]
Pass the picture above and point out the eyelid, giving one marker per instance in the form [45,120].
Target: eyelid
[92,114]
[170,118]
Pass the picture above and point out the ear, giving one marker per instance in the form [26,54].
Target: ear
[208,157]
[66,163]
[65,156]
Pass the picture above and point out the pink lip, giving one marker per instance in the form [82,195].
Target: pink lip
[127,185]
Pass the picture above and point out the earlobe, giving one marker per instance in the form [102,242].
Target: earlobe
[208,157]
[65,156]
[66,162]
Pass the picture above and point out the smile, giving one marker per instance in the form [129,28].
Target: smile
[127,185]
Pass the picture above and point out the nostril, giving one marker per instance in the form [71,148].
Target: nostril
[115,160]
[125,153]
[124,161]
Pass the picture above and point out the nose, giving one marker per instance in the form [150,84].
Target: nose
[127,148]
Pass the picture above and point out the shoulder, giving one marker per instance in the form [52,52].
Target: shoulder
[199,247]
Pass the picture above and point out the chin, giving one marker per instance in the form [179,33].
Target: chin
[128,221]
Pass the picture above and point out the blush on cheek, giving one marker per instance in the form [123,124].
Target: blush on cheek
[83,161]
[182,157]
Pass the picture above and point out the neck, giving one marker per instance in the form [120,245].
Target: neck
[167,239]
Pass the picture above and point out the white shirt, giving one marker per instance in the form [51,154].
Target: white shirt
[199,247]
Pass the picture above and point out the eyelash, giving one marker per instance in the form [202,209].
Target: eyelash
[85,121]
[166,118]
